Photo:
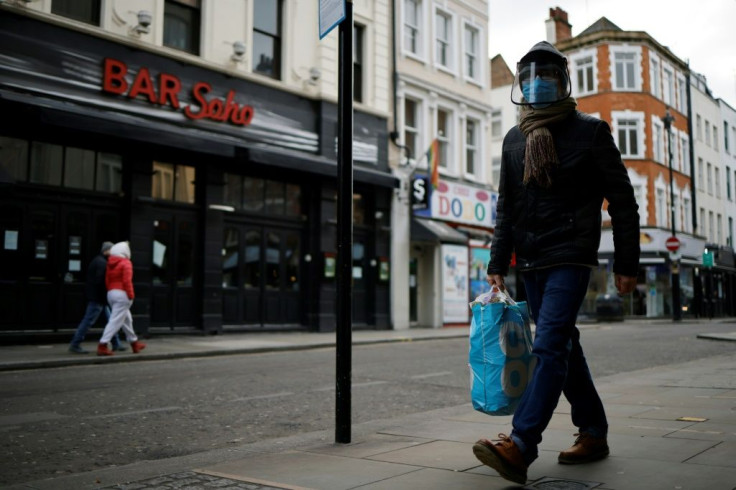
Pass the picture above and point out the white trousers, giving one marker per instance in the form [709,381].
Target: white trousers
[120,317]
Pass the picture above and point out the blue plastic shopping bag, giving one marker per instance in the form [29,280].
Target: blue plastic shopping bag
[500,357]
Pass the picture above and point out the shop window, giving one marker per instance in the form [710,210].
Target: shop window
[79,168]
[46,163]
[109,172]
[185,254]
[253,194]
[292,254]
[267,38]
[252,269]
[182,25]
[274,197]
[293,200]
[87,11]
[273,261]
[233,191]
[14,157]
[230,248]
[173,182]
[160,269]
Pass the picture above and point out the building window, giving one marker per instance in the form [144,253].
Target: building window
[87,11]
[267,38]
[702,220]
[658,137]
[181,25]
[715,137]
[173,182]
[730,232]
[661,209]
[718,181]
[709,177]
[358,61]
[263,196]
[472,50]
[70,167]
[699,127]
[584,79]
[412,24]
[725,137]
[654,82]
[411,126]
[443,135]
[496,171]
[707,133]
[685,157]
[628,133]
[728,183]
[625,69]
[471,146]
[719,228]
[443,54]
[711,230]
[496,123]
[685,210]
[701,177]
[669,87]
[682,93]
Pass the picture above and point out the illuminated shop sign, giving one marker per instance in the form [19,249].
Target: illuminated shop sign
[166,89]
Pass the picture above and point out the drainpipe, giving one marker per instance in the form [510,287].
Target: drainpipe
[692,152]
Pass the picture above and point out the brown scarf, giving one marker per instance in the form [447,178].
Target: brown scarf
[541,156]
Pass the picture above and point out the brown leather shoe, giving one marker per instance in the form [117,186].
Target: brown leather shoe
[585,450]
[503,456]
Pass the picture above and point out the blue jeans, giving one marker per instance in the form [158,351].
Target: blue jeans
[554,296]
[91,314]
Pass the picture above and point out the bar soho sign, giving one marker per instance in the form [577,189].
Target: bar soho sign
[166,93]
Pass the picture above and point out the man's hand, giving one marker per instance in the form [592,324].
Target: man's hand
[496,280]
[625,284]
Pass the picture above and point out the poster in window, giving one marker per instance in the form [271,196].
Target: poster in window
[455,295]
[330,265]
[75,245]
[383,269]
[42,247]
[11,239]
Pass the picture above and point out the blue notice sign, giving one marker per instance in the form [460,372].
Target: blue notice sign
[331,13]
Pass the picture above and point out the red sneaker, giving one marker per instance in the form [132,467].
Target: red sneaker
[137,346]
[503,456]
[104,350]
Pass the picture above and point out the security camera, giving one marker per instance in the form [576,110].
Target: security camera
[145,18]
[239,48]
[314,74]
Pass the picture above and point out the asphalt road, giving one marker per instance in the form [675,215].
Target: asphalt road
[70,420]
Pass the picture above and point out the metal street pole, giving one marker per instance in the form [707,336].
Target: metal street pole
[668,119]
[344,327]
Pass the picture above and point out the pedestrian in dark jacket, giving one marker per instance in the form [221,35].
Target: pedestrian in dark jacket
[96,293]
[558,166]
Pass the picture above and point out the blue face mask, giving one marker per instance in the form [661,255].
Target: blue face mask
[541,91]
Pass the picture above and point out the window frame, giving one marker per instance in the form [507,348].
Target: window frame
[474,148]
[450,42]
[635,51]
[585,60]
[419,31]
[476,54]
[278,42]
[637,118]
[194,32]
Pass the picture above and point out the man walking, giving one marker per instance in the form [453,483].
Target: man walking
[96,293]
[557,167]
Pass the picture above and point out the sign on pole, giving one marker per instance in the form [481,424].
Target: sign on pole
[331,13]
[672,244]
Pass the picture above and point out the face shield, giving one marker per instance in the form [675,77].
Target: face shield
[540,84]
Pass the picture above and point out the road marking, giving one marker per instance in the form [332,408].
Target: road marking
[354,385]
[431,375]
[137,412]
[263,397]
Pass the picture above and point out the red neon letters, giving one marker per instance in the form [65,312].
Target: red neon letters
[166,92]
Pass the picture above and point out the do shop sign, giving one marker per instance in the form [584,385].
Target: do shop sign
[461,203]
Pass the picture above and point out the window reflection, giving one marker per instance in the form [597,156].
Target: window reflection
[230,247]
[252,269]
[273,261]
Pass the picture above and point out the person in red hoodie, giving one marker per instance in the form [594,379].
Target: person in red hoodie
[120,294]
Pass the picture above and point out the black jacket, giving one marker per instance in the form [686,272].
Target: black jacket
[94,288]
[562,224]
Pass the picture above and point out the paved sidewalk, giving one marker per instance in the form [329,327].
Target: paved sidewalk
[671,427]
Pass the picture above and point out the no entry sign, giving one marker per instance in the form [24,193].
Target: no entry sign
[672,244]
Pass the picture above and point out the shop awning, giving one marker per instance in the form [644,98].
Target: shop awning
[432,231]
